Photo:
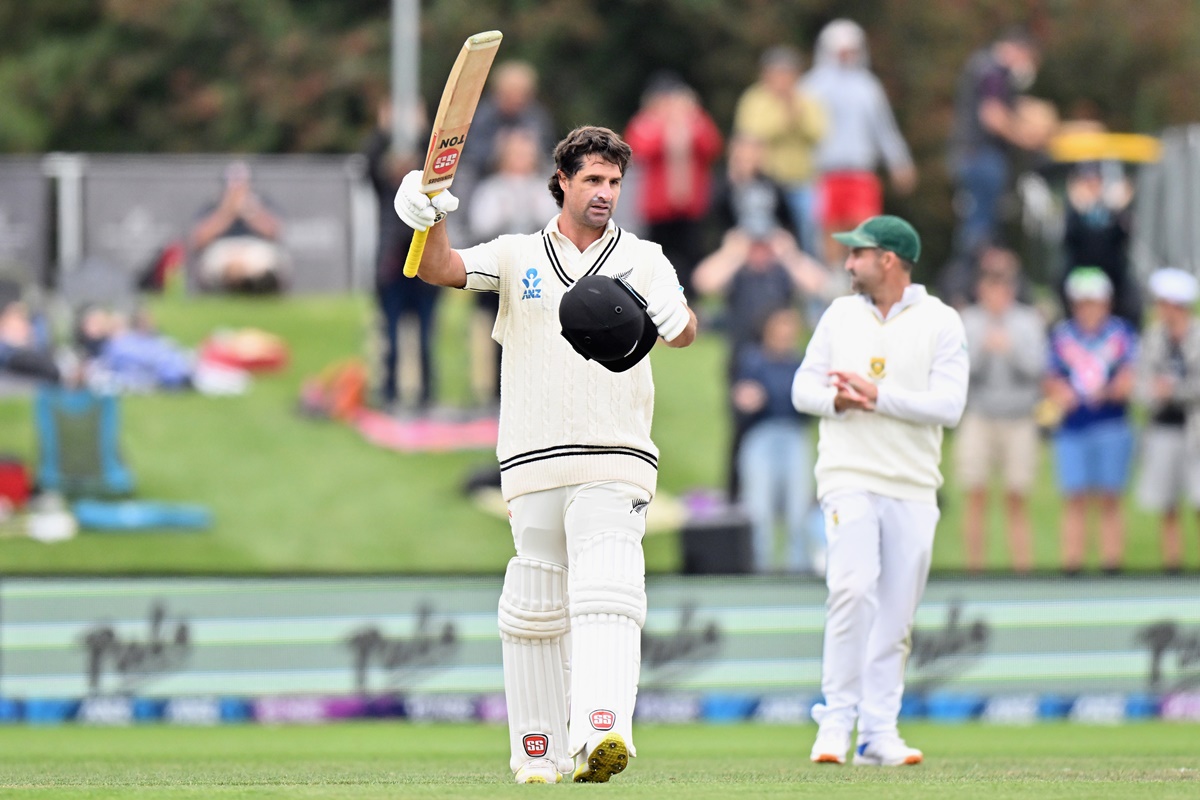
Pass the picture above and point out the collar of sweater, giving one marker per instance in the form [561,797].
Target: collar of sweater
[913,294]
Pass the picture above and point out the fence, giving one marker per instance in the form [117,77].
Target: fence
[58,211]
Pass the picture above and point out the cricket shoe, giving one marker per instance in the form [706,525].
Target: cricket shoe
[831,745]
[606,756]
[887,751]
[539,770]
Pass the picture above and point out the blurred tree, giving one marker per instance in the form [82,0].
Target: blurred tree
[185,75]
[294,76]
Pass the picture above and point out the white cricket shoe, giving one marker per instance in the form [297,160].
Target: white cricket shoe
[887,751]
[606,755]
[539,770]
[831,745]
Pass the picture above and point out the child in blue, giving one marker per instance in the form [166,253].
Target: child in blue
[775,459]
[1090,379]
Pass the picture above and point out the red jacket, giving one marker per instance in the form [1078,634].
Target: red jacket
[646,134]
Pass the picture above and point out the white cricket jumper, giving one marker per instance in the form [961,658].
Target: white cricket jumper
[918,359]
[565,420]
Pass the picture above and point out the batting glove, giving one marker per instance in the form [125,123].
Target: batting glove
[418,210]
[669,313]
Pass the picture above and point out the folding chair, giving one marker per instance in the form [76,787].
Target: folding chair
[78,452]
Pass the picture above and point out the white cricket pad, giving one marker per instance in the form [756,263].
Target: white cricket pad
[608,609]
[534,625]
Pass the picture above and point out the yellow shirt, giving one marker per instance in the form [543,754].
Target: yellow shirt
[790,132]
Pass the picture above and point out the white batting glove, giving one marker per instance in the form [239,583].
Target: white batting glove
[416,209]
[669,313]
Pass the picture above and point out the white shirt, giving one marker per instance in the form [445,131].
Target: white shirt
[917,357]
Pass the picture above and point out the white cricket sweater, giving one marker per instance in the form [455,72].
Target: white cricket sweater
[918,359]
[565,420]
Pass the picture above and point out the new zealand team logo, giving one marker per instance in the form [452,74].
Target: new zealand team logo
[532,284]
[536,745]
[603,720]
[878,367]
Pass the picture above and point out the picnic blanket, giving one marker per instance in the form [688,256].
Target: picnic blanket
[426,434]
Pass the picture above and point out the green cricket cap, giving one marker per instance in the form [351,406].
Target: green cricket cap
[886,233]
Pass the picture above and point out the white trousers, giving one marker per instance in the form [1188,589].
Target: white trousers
[878,564]
[595,531]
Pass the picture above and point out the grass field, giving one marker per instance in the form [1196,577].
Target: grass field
[291,495]
[391,760]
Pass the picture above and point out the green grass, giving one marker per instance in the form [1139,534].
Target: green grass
[291,495]
[389,760]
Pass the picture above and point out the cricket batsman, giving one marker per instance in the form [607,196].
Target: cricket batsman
[886,369]
[581,304]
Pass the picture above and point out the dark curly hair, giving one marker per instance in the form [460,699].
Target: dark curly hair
[589,140]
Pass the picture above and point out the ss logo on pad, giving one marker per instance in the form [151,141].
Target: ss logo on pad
[603,720]
[536,744]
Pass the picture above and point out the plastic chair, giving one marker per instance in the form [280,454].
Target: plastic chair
[78,453]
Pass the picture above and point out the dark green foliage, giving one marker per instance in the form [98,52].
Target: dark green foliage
[296,76]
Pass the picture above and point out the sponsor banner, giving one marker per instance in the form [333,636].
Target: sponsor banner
[781,709]
[1011,709]
[105,711]
[493,708]
[666,707]
[25,216]
[437,637]
[1182,706]
[135,205]
[192,711]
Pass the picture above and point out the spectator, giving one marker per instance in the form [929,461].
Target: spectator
[676,142]
[511,102]
[744,196]
[25,347]
[1098,223]
[1007,343]
[775,457]
[1168,383]
[1090,380]
[790,122]
[398,298]
[757,272]
[237,239]
[512,199]
[862,134]
[987,127]
[127,354]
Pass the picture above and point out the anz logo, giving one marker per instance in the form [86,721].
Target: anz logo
[532,284]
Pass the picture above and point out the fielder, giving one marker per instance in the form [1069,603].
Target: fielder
[578,467]
[886,369]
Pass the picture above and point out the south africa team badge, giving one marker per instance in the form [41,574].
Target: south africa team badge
[878,367]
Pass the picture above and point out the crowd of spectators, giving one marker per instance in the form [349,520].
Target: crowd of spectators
[745,215]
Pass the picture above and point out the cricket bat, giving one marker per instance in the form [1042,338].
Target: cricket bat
[454,115]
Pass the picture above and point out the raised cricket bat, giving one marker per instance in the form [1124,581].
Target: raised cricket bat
[454,115]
